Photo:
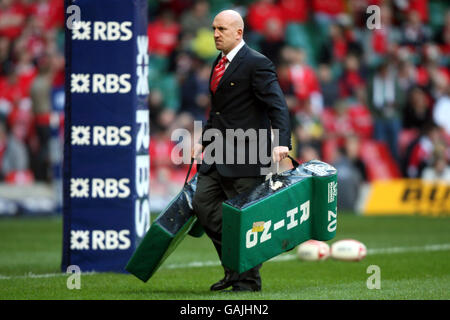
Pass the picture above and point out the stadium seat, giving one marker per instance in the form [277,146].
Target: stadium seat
[378,161]
[218,5]
[436,18]
[169,88]
[158,64]
[297,36]
[168,85]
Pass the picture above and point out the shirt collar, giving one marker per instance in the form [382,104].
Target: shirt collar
[232,53]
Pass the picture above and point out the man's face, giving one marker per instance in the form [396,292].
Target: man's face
[226,34]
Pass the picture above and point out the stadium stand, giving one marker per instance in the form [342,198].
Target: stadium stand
[340,79]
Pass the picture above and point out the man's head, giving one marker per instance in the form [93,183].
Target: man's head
[228,29]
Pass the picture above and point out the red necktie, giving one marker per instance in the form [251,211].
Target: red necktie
[219,70]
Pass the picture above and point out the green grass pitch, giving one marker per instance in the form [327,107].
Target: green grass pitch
[413,254]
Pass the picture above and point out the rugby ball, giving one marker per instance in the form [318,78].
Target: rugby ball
[348,250]
[313,250]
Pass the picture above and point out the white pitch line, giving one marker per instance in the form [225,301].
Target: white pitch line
[195,264]
[430,247]
[31,275]
[211,263]
[288,257]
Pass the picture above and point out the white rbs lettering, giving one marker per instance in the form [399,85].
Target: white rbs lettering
[112,31]
[143,134]
[111,83]
[110,188]
[111,136]
[110,240]
[142,216]
[142,175]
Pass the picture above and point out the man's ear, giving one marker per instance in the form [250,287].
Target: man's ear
[240,32]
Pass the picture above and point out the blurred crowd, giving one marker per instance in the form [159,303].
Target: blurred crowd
[367,91]
[371,98]
[31,68]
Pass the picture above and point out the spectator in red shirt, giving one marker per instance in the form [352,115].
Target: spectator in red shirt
[304,81]
[337,122]
[12,89]
[262,11]
[25,68]
[351,78]
[163,34]
[50,13]
[12,18]
[35,37]
[421,7]
[295,11]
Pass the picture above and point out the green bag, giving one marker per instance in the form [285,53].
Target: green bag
[166,232]
[284,211]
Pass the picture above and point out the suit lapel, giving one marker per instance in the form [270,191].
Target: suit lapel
[231,68]
[233,65]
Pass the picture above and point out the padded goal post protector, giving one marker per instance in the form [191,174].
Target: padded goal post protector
[106,170]
[166,233]
[284,211]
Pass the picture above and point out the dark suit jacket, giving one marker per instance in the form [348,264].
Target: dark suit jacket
[248,97]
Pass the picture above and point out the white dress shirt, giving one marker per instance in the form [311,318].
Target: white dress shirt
[233,52]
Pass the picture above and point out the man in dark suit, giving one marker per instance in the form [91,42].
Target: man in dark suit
[247,104]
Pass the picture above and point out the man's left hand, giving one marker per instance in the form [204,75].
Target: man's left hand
[279,153]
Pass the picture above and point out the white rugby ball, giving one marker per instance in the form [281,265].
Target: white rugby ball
[313,250]
[348,250]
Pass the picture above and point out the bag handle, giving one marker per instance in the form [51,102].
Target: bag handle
[189,171]
[294,162]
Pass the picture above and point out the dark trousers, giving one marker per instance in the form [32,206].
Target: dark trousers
[212,190]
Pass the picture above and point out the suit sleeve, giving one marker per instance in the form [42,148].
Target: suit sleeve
[204,129]
[267,89]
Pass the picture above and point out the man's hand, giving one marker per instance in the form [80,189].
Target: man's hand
[279,153]
[196,151]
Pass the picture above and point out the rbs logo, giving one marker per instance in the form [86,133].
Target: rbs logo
[99,240]
[100,83]
[99,188]
[102,31]
[101,136]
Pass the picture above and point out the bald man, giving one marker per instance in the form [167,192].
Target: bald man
[245,94]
